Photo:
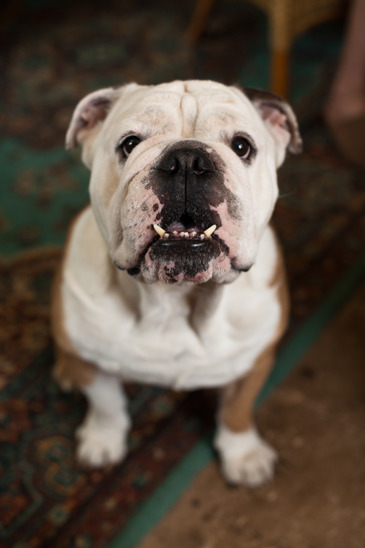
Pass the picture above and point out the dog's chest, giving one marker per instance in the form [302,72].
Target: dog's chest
[166,345]
[156,333]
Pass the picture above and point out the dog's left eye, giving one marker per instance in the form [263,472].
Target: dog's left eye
[128,145]
[242,147]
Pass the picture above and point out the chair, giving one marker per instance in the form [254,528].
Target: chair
[287,19]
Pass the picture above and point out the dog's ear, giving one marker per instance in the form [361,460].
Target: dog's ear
[280,120]
[88,115]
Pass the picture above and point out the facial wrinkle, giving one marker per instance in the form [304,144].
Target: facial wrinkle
[189,111]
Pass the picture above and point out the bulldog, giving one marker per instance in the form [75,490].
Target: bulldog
[173,275]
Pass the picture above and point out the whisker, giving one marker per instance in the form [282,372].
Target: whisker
[286,194]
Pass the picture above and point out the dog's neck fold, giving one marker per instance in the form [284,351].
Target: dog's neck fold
[159,302]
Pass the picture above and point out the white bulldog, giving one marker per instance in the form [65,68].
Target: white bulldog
[173,275]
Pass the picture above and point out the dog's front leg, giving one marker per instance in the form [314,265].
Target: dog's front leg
[102,437]
[245,457]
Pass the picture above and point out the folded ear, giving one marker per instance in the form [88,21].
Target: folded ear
[279,119]
[88,114]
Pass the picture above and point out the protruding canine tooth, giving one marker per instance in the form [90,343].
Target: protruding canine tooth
[160,231]
[209,231]
[166,235]
[202,236]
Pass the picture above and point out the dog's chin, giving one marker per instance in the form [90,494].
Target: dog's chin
[181,261]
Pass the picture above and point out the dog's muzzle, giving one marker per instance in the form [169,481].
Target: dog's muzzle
[186,181]
[183,175]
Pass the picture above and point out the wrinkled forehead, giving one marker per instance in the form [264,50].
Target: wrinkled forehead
[184,108]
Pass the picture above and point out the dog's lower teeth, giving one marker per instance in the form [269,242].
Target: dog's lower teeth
[175,234]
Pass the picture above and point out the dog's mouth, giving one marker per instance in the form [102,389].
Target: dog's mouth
[186,232]
[182,249]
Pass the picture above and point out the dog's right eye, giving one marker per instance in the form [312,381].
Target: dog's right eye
[128,144]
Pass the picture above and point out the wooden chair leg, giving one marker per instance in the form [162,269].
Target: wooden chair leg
[198,20]
[280,61]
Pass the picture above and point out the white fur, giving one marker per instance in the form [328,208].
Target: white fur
[144,332]
[102,436]
[246,458]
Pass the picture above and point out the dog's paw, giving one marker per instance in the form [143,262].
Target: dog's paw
[252,468]
[100,445]
[246,458]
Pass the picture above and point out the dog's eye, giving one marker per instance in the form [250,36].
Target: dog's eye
[128,145]
[242,147]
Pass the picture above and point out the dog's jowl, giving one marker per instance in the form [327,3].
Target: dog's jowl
[173,274]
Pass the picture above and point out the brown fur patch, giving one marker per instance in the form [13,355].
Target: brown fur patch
[72,372]
[238,398]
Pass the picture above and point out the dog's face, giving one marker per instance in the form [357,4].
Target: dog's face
[183,175]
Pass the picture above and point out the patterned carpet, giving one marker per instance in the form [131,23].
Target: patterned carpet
[53,55]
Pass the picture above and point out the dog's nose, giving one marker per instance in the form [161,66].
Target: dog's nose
[186,161]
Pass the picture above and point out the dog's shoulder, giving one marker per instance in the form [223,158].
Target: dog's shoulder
[86,259]
[268,270]
[82,248]
[271,273]
[258,301]
[84,273]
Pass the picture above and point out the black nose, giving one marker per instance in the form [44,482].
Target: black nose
[186,161]
[188,183]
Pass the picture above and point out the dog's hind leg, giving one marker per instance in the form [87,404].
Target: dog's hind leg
[245,457]
[70,371]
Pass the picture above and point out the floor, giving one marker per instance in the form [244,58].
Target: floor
[316,422]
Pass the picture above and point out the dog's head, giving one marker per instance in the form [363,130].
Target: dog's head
[183,175]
